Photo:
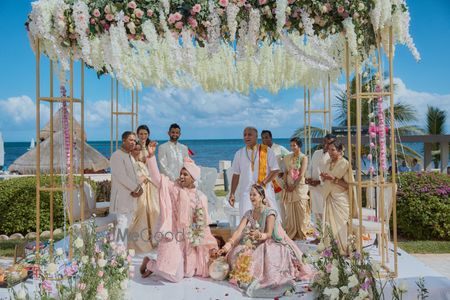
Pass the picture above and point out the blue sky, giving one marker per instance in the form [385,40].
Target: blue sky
[216,115]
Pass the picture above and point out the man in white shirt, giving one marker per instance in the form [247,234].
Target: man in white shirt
[280,152]
[247,171]
[266,138]
[172,153]
[317,166]
[125,186]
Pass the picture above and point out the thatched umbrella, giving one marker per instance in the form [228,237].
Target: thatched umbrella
[26,164]
[58,126]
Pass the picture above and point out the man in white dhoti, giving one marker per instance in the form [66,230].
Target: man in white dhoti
[316,167]
[172,153]
[125,186]
[252,164]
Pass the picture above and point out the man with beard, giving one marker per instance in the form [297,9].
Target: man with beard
[171,154]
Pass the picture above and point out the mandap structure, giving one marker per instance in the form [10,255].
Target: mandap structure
[238,46]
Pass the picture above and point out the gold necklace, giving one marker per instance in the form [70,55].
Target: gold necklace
[253,157]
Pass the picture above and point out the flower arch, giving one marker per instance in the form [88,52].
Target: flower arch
[235,45]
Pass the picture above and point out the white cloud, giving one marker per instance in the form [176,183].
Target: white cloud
[204,115]
[420,101]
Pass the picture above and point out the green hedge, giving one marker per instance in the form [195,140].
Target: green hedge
[18,206]
[423,206]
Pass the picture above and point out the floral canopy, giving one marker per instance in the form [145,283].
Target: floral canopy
[235,45]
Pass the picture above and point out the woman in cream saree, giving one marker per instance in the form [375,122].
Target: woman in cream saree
[143,225]
[336,179]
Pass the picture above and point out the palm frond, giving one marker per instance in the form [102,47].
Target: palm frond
[316,132]
[410,130]
[436,119]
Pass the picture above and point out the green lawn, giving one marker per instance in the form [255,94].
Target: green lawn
[7,247]
[432,247]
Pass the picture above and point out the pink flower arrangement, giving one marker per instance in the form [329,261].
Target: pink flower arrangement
[177,16]
[223,3]
[96,13]
[171,19]
[196,8]
[132,5]
[109,17]
[138,13]
[192,22]
[179,25]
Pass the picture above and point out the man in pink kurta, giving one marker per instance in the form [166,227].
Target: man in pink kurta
[177,256]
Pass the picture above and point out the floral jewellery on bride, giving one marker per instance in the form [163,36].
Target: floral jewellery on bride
[295,171]
[196,231]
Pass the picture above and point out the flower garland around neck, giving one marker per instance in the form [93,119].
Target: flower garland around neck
[295,171]
[196,231]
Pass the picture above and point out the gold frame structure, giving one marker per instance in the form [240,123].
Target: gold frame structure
[359,183]
[307,112]
[115,113]
[70,186]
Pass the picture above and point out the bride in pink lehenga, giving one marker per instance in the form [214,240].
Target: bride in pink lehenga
[276,260]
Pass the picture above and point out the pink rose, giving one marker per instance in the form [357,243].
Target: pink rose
[223,3]
[177,16]
[100,274]
[149,12]
[106,27]
[197,8]
[96,13]
[132,5]
[340,9]
[192,22]
[126,19]
[262,2]
[171,19]
[92,21]
[138,13]
[179,25]
[109,17]
[291,1]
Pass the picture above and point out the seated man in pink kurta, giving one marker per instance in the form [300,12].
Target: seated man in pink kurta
[185,238]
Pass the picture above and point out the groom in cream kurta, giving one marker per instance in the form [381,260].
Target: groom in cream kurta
[125,186]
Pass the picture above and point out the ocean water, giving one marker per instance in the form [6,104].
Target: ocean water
[207,153]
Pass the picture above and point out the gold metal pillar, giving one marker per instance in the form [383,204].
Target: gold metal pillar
[325,112]
[51,187]
[358,96]
[115,113]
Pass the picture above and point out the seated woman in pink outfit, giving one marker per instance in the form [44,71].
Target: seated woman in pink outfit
[276,259]
[185,240]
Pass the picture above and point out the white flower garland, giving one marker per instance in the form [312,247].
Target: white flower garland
[232,11]
[280,13]
[351,35]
